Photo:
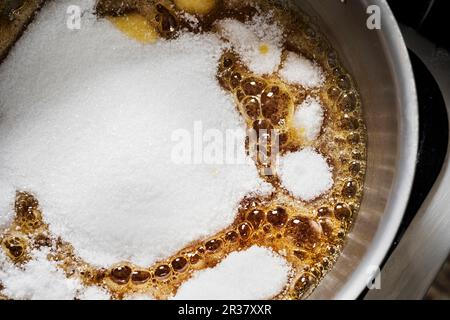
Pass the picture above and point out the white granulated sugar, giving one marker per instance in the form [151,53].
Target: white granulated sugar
[139,296]
[308,118]
[87,121]
[37,279]
[6,203]
[256,273]
[306,174]
[297,69]
[258,42]
[94,293]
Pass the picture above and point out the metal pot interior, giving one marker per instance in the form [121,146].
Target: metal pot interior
[379,62]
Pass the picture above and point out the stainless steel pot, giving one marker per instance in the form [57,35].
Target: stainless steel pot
[379,62]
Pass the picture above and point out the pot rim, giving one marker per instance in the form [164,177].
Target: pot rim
[407,154]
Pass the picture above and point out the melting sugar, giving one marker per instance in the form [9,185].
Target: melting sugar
[103,210]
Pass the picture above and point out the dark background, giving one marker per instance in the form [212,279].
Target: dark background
[431,18]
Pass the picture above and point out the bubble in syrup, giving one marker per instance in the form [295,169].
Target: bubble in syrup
[224,78]
[251,107]
[337,72]
[274,104]
[201,249]
[262,127]
[41,240]
[100,274]
[353,138]
[320,47]
[300,254]
[162,271]
[341,211]
[283,138]
[24,202]
[316,272]
[140,276]
[277,217]
[267,228]
[15,247]
[349,123]
[244,230]
[343,82]
[168,22]
[332,59]
[325,262]
[323,211]
[231,236]
[347,101]
[304,231]
[269,100]
[332,249]
[333,92]
[235,79]
[327,226]
[273,101]
[240,95]
[179,264]
[227,62]
[357,155]
[310,33]
[252,86]
[279,118]
[354,168]
[194,258]
[121,274]
[349,189]
[304,283]
[213,245]
[255,217]
[27,212]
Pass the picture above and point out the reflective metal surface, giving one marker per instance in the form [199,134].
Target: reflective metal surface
[426,243]
[379,61]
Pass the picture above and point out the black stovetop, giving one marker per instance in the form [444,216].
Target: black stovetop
[428,17]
